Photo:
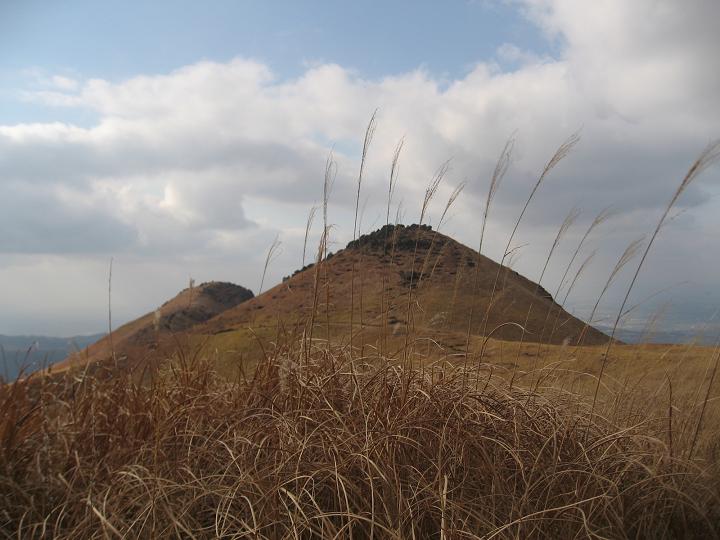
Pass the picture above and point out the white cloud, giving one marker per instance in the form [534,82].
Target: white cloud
[508,52]
[201,166]
[65,83]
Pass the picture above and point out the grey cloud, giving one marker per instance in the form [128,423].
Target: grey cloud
[610,174]
[74,160]
[36,221]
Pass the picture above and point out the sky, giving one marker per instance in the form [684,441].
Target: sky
[180,138]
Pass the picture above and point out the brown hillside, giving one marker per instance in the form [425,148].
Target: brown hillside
[372,275]
[385,264]
[189,308]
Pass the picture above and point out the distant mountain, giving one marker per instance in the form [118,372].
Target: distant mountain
[669,336]
[30,353]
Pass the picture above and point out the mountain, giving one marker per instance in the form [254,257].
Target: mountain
[372,279]
[189,308]
[700,336]
[28,353]
[399,285]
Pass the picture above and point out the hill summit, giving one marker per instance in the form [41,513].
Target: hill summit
[192,306]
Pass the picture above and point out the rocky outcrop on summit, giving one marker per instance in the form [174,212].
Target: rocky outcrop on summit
[203,303]
[397,237]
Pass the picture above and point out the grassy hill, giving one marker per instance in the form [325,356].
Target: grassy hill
[140,337]
[396,286]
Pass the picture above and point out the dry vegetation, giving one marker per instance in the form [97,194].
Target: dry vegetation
[322,446]
[380,421]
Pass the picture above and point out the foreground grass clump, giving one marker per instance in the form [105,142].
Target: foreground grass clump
[325,447]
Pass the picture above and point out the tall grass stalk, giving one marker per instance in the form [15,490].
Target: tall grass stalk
[319,262]
[369,133]
[429,195]
[451,200]
[328,182]
[563,150]
[501,168]
[308,226]
[578,273]
[604,214]
[707,158]
[630,252]
[394,172]
[701,416]
[272,253]
[385,298]
[110,328]
[564,226]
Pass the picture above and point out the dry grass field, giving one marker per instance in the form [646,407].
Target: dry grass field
[316,442]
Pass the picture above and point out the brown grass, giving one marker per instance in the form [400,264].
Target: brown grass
[303,449]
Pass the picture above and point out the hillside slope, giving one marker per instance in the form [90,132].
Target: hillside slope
[399,285]
[372,278]
[190,307]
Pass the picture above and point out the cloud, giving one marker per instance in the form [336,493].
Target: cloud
[50,221]
[639,58]
[64,83]
[206,163]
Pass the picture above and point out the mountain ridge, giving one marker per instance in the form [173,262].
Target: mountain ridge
[28,353]
[394,281]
